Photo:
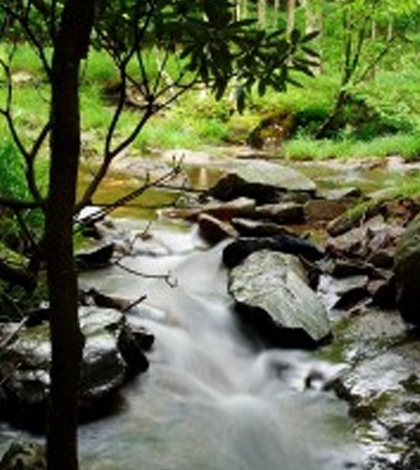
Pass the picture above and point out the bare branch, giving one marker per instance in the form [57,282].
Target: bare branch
[28,155]
[32,36]
[11,337]
[172,282]
[17,204]
[376,60]
[130,196]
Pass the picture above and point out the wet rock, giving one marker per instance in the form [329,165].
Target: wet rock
[256,228]
[24,369]
[407,273]
[344,293]
[281,213]
[380,244]
[380,384]
[238,250]
[274,302]
[95,259]
[263,181]
[24,456]
[396,212]
[239,207]
[352,220]
[347,195]
[132,342]
[353,242]
[214,230]
[37,316]
[383,292]
[344,267]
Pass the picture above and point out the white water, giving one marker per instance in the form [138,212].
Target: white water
[209,401]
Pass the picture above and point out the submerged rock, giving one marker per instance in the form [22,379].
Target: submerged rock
[275,303]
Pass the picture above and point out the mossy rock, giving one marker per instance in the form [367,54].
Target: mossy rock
[272,130]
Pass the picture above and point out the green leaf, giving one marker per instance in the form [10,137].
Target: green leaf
[310,36]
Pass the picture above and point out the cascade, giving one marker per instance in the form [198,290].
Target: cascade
[210,400]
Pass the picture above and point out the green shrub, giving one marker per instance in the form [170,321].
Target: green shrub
[13,185]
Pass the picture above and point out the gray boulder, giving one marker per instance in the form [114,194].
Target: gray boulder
[274,302]
[263,181]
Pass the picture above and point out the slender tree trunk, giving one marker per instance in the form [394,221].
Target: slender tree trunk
[373,36]
[276,12]
[262,13]
[290,11]
[314,22]
[70,47]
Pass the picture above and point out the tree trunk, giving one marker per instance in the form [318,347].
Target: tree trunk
[262,13]
[314,22]
[276,12]
[290,11]
[70,47]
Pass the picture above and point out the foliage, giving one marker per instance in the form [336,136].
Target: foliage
[12,185]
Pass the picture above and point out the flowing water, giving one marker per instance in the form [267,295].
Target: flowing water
[210,400]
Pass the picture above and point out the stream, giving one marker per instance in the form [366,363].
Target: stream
[210,400]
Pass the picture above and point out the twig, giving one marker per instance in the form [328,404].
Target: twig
[6,341]
[166,277]
[148,184]
[133,304]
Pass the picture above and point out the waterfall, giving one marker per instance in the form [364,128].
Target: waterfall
[210,400]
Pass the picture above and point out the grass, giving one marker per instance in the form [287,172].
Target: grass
[196,119]
[406,145]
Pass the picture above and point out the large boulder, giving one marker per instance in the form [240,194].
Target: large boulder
[407,273]
[263,181]
[112,354]
[274,302]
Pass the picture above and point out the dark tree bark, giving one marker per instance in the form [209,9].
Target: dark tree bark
[70,48]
